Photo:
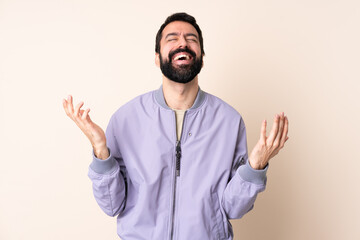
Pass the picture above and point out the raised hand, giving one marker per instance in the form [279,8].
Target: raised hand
[267,147]
[92,131]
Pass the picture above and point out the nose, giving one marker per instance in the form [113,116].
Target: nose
[182,42]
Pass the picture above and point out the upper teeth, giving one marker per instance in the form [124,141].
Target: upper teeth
[180,56]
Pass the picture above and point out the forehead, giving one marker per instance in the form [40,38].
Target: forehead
[180,28]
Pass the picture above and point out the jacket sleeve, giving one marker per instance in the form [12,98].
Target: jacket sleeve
[109,177]
[245,182]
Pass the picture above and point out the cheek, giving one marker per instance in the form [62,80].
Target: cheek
[164,50]
[196,48]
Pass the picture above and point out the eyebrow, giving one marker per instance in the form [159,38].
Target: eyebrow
[177,34]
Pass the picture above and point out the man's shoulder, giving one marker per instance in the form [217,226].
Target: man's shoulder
[141,101]
[219,105]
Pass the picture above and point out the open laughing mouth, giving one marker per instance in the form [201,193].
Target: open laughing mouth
[182,58]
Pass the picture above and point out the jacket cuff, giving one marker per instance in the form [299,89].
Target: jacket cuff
[249,174]
[106,166]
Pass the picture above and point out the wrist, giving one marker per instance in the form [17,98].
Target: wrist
[101,152]
[256,166]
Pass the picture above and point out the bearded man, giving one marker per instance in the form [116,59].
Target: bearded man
[173,163]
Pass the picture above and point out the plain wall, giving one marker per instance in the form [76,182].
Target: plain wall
[262,57]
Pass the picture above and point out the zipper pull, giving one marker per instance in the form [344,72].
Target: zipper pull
[178,157]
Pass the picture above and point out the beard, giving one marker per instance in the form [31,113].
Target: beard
[183,73]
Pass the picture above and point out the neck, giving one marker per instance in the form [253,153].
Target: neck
[180,96]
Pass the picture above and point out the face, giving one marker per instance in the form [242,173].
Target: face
[180,57]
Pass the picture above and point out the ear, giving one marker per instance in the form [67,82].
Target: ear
[202,65]
[157,59]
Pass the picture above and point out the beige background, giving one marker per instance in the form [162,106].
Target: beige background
[262,57]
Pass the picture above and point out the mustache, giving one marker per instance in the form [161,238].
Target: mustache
[186,49]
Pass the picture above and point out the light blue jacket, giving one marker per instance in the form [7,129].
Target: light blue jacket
[162,189]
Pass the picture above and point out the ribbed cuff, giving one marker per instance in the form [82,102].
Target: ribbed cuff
[247,173]
[103,166]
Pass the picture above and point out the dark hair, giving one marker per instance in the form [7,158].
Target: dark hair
[183,17]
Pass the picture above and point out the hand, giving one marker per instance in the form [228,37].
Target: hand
[92,131]
[267,147]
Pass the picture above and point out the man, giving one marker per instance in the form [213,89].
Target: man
[173,163]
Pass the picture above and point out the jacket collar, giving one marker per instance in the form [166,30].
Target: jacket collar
[159,96]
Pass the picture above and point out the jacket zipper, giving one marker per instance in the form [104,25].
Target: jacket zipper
[177,173]
[178,158]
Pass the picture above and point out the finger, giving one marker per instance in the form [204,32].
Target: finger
[274,130]
[277,150]
[284,136]
[286,127]
[70,106]
[81,112]
[280,131]
[64,102]
[77,108]
[85,114]
[263,132]
[273,154]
